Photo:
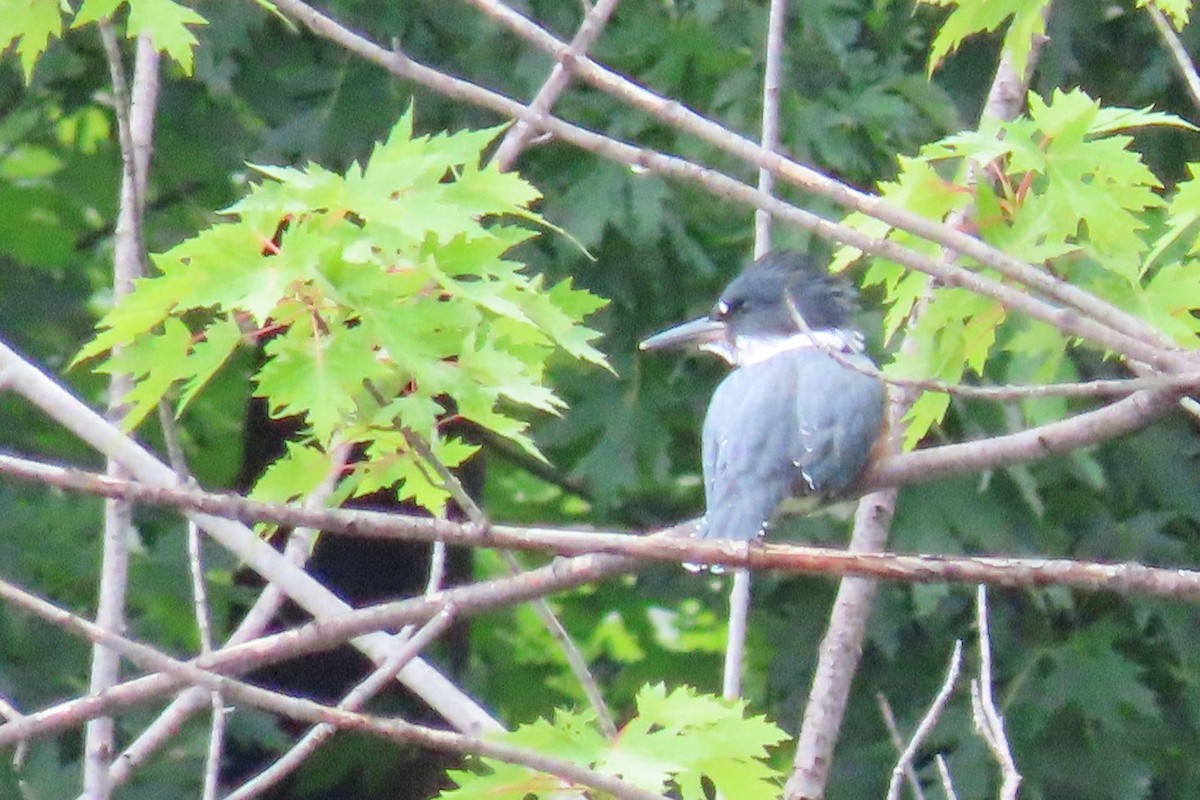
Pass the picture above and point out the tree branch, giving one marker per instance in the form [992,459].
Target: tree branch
[670,547]
[679,117]
[233,659]
[134,108]
[308,710]
[1146,345]
[904,763]
[519,135]
[441,695]
[358,697]
[1178,51]
[841,648]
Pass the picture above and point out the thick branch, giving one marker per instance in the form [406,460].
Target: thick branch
[1125,578]
[234,659]
[18,375]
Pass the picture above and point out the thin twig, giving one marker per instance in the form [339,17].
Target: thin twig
[904,763]
[521,133]
[988,720]
[574,656]
[216,735]
[354,701]
[893,730]
[1101,387]
[944,775]
[772,69]
[1178,51]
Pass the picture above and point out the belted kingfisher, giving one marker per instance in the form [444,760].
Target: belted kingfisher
[790,421]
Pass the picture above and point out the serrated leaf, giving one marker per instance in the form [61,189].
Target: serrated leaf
[927,411]
[164,21]
[155,366]
[319,377]
[391,464]
[381,289]
[970,18]
[297,474]
[677,737]
[1108,688]
[1176,10]
[209,354]
[31,24]
[1110,119]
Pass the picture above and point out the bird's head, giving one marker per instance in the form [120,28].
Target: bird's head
[779,302]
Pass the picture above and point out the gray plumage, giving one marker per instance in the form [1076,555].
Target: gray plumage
[791,420]
[825,419]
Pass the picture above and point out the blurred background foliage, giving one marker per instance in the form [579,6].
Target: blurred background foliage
[1102,693]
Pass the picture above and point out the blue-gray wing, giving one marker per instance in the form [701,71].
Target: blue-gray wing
[839,419]
[796,424]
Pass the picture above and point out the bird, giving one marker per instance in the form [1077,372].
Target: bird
[801,415]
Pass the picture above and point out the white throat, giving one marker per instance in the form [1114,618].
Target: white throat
[746,350]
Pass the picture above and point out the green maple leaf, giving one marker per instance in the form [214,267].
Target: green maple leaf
[154,365]
[1176,10]
[676,739]
[1169,299]
[303,468]
[969,18]
[1110,687]
[318,375]
[217,343]
[381,289]
[164,21]
[31,24]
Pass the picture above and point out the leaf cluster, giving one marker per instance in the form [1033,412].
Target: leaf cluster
[1060,186]
[31,24]
[677,740]
[385,302]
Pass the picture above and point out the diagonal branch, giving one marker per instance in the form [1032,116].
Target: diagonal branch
[234,659]
[1179,54]
[307,592]
[677,116]
[358,697]
[520,134]
[1101,323]
[308,710]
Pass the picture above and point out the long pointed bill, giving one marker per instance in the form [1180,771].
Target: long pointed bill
[703,333]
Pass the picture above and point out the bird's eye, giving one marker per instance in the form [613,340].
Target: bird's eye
[723,309]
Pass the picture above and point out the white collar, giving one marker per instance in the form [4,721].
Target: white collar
[746,350]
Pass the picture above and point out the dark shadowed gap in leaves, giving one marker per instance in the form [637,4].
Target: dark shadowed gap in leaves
[361,572]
